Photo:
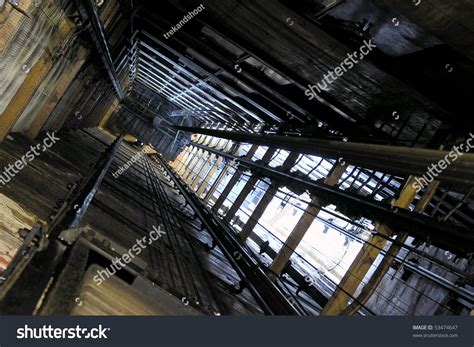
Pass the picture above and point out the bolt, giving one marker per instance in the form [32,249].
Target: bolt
[25,68]
[395,21]
[238,68]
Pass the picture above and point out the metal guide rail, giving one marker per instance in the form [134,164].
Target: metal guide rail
[270,298]
[177,261]
[41,258]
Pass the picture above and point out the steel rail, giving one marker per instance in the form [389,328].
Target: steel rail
[22,291]
[198,274]
[88,12]
[457,239]
[270,298]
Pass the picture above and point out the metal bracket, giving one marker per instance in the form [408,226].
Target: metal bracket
[69,236]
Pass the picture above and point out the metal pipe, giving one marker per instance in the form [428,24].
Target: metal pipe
[388,159]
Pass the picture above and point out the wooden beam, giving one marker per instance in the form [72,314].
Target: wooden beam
[227,147]
[198,170]
[365,258]
[303,225]
[65,81]
[11,19]
[33,80]
[189,169]
[189,160]
[108,113]
[389,257]
[178,159]
[266,199]
[233,180]
[249,185]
